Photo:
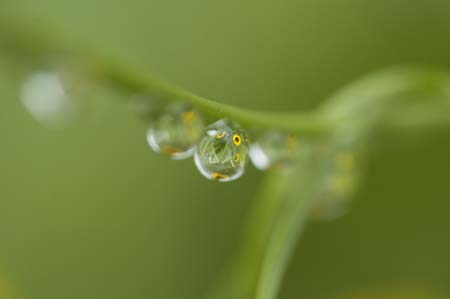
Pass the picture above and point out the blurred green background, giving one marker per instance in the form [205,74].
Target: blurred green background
[88,211]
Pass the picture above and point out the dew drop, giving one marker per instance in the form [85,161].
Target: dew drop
[45,96]
[274,150]
[176,131]
[341,178]
[222,153]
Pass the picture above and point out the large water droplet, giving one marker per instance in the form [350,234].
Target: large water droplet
[222,153]
[274,150]
[176,131]
[45,96]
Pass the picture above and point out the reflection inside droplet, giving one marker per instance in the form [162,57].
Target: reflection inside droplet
[45,97]
[222,153]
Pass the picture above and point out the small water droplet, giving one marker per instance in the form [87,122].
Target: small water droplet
[222,153]
[176,131]
[45,95]
[341,177]
[274,150]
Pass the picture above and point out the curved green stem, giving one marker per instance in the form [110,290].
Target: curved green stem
[366,92]
[307,123]
[376,89]
[35,43]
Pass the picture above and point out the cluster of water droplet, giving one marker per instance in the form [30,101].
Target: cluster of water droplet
[221,150]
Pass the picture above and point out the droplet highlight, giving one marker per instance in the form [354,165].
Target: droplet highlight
[274,150]
[222,153]
[176,131]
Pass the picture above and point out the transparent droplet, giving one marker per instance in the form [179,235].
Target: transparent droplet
[341,179]
[176,131]
[222,153]
[274,150]
[45,96]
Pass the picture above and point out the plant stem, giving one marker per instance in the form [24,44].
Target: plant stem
[367,92]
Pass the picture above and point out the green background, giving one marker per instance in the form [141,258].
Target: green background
[89,211]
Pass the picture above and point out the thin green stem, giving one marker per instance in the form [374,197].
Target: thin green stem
[389,85]
[307,123]
[35,43]
[240,281]
[367,92]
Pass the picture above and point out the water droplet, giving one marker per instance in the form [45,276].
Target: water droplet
[222,153]
[341,177]
[176,131]
[274,150]
[45,95]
